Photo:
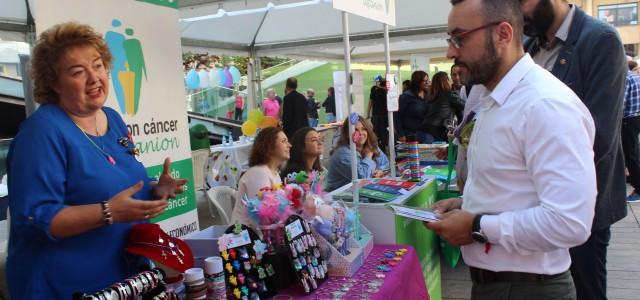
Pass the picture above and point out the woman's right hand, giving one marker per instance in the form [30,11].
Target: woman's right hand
[126,209]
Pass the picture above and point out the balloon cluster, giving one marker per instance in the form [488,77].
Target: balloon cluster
[226,77]
[255,120]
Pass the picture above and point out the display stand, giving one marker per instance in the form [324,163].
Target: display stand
[379,221]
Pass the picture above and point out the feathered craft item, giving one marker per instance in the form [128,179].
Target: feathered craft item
[271,206]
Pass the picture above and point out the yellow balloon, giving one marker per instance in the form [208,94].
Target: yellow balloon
[268,121]
[249,128]
[256,116]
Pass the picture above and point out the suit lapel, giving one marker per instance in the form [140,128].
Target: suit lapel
[565,57]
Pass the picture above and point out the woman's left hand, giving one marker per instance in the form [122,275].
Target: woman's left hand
[168,186]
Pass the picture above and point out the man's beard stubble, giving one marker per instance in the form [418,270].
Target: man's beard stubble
[539,23]
[484,69]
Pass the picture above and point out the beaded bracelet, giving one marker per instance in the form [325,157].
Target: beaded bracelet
[106,213]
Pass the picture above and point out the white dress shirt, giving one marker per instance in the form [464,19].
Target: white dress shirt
[531,171]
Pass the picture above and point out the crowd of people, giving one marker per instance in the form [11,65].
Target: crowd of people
[545,122]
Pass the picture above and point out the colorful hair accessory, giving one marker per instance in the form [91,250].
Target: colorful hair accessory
[233,280]
[224,254]
[270,270]
[241,278]
[397,258]
[236,292]
[232,253]
[261,273]
[244,254]
[245,290]
[236,265]
[353,118]
[229,267]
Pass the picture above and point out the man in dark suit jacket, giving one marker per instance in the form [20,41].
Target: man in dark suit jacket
[294,109]
[588,56]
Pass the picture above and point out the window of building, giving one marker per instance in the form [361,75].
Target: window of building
[631,49]
[619,14]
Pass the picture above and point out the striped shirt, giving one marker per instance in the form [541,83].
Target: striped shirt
[632,95]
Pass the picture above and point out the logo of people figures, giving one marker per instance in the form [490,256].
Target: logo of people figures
[128,67]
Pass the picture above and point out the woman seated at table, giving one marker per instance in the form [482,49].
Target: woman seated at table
[269,152]
[371,160]
[76,187]
[306,148]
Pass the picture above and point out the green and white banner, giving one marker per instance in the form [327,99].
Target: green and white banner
[146,84]
[383,11]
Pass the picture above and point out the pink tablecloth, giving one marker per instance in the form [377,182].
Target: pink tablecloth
[404,281]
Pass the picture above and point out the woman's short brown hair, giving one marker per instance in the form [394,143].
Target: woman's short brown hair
[263,146]
[51,46]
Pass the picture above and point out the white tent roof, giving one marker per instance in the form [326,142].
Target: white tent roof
[295,28]
[313,29]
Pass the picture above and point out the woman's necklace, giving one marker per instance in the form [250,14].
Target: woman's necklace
[101,149]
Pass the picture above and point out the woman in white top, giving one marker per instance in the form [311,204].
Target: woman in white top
[270,150]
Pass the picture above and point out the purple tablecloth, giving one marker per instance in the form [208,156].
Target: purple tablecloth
[404,281]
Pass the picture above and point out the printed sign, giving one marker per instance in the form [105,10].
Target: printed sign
[392,92]
[383,11]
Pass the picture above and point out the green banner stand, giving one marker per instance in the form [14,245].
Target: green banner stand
[450,253]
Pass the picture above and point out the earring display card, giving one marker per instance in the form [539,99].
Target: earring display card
[304,252]
[245,272]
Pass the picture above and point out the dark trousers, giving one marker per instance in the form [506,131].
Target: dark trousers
[630,131]
[238,115]
[380,125]
[589,266]
[559,288]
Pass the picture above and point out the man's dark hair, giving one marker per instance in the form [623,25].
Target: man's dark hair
[632,65]
[292,83]
[508,11]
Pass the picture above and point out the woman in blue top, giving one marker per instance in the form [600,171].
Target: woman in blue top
[371,161]
[75,186]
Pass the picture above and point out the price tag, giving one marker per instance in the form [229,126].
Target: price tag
[294,229]
[240,239]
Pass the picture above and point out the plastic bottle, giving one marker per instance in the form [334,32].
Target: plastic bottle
[214,274]
[196,288]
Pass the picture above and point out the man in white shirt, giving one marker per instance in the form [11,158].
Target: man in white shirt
[531,187]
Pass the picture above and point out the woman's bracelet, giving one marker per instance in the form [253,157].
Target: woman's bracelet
[106,213]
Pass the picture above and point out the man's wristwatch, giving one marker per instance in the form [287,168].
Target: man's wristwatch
[476,231]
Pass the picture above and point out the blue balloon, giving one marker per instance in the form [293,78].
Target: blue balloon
[193,80]
[235,73]
[221,77]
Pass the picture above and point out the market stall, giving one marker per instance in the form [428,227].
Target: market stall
[388,228]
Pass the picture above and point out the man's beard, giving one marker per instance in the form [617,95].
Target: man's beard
[484,69]
[540,22]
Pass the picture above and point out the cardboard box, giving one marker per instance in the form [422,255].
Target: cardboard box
[204,243]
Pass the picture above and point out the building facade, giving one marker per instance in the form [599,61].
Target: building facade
[622,14]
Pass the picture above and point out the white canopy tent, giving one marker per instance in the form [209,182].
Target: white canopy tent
[308,29]
[311,29]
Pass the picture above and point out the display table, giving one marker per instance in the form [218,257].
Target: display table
[227,163]
[387,228]
[404,281]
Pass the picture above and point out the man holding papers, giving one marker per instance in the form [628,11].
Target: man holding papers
[531,187]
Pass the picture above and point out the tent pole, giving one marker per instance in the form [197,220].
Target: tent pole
[347,67]
[387,63]
[258,68]
[251,80]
